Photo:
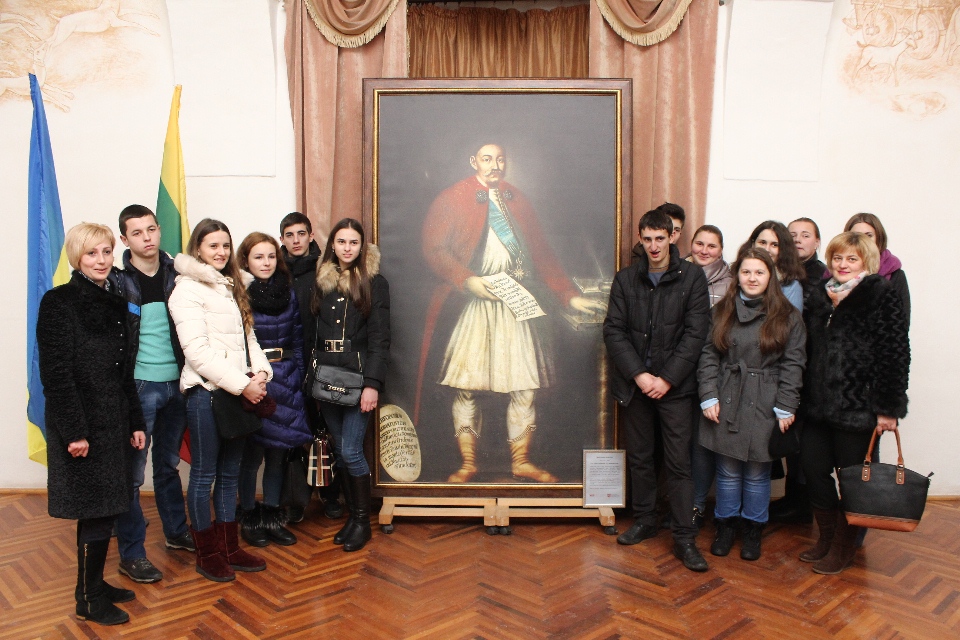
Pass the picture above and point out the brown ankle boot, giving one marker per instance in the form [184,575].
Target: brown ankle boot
[468,451]
[827,525]
[211,564]
[842,550]
[522,467]
[229,544]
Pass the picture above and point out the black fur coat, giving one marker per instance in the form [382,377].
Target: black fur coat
[90,393]
[858,357]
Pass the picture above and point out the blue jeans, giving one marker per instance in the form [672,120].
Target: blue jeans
[743,488]
[253,454]
[703,468]
[348,426]
[215,463]
[165,416]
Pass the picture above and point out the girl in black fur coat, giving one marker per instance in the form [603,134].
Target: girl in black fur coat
[858,361]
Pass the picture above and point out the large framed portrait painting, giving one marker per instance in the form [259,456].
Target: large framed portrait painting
[498,206]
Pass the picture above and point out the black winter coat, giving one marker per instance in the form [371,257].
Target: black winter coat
[369,337]
[858,357]
[281,328]
[670,321]
[815,276]
[90,394]
[304,272]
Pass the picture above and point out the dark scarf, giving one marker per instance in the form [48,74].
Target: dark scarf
[300,265]
[270,297]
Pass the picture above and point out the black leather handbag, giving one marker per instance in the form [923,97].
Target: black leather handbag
[337,385]
[295,492]
[232,419]
[883,496]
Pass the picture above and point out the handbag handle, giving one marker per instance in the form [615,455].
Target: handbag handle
[865,475]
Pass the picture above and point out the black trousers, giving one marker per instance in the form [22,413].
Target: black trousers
[94,529]
[677,417]
[823,449]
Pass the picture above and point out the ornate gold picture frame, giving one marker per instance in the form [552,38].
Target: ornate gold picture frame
[499,208]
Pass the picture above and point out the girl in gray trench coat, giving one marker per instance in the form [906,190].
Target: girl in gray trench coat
[750,375]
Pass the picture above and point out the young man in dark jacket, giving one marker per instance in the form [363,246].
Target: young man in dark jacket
[656,326]
[147,279]
[301,253]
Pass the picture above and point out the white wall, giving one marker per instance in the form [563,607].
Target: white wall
[899,165]
[108,146]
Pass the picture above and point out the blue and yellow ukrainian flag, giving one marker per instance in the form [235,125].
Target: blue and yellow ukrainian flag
[47,264]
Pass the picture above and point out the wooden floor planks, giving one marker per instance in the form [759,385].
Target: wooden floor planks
[447,579]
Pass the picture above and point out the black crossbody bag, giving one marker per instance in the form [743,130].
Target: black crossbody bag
[337,385]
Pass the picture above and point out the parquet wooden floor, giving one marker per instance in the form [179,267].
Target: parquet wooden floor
[440,579]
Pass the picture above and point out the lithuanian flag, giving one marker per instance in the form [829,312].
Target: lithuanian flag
[47,265]
[172,199]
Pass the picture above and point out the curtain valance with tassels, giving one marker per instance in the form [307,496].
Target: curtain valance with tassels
[350,23]
[643,22]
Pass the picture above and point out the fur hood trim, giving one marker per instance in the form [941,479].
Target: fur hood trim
[189,267]
[328,278]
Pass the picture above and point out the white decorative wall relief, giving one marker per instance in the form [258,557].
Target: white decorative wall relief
[71,43]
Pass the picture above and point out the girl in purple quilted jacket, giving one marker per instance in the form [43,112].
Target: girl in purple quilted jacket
[276,321]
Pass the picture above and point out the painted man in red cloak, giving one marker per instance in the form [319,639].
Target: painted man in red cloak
[484,226]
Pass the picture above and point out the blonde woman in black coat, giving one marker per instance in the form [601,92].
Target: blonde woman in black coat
[858,363]
[92,414]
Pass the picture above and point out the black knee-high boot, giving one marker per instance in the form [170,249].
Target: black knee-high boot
[358,536]
[341,535]
[93,603]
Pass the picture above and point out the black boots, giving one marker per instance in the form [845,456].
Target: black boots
[750,547]
[272,520]
[355,534]
[264,524]
[341,535]
[726,532]
[251,525]
[793,507]
[95,598]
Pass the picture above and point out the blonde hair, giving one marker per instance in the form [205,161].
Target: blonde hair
[84,236]
[860,243]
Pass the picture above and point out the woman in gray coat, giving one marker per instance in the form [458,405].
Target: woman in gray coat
[750,375]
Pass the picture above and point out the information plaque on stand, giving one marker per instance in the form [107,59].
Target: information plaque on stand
[604,477]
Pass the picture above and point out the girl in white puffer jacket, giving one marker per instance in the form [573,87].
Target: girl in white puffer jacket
[214,322]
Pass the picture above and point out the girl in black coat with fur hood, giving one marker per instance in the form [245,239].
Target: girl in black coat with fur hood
[351,307]
[92,413]
[858,362]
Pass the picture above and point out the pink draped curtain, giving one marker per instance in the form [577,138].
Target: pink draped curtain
[326,97]
[672,108]
[672,91]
